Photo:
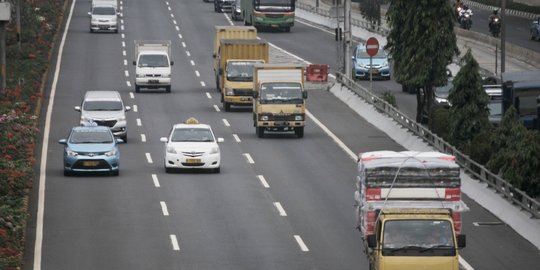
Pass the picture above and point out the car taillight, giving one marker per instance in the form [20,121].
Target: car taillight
[371,219]
[373,194]
[452,194]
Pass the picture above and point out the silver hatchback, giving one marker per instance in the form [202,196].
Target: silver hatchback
[104,108]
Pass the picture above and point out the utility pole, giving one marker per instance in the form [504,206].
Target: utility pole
[339,37]
[5,16]
[18,19]
[503,35]
[347,36]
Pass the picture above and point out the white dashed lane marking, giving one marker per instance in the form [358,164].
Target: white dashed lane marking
[216,108]
[164,208]
[236,138]
[149,158]
[197,73]
[131,95]
[183,44]
[301,243]
[192,62]
[249,159]
[263,181]
[180,36]
[135,108]
[125,62]
[174,242]
[143,138]
[188,54]
[156,181]
[126,72]
[203,84]
[124,53]
[174,21]
[128,84]
[280,209]
[177,28]
[226,123]
[123,44]
[139,123]
[208,95]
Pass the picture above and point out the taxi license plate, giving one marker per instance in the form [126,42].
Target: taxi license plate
[90,163]
[153,81]
[193,160]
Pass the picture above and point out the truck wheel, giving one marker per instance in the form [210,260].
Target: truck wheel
[137,89]
[299,132]
[259,131]
[227,106]
[168,89]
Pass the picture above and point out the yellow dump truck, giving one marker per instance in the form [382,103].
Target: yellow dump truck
[279,98]
[229,32]
[414,239]
[236,60]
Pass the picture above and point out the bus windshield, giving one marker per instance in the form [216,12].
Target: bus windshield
[274,5]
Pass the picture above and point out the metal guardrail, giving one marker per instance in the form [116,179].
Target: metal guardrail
[476,170]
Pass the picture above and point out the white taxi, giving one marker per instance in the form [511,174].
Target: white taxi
[192,145]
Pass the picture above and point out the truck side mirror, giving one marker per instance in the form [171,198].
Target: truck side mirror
[172,63]
[371,241]
[304,94]
[255,94]
[134,62]
[461,241]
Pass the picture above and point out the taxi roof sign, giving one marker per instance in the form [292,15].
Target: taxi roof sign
[191,121]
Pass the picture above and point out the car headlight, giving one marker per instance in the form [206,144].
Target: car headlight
[94,21]
[298,118]
[238,10]
[168,75]
[71,153]
[440,100]
[123,118]
[111,153]
[264,117]
[229,91]
[214,150]
[171,150]
[140,75]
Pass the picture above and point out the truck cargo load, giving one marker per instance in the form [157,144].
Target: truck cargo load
[405,179]
[235,73]
[229,32]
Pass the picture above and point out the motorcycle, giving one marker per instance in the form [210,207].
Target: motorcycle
[466,21]
[495,27]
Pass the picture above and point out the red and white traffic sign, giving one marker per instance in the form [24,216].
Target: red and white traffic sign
[372,46]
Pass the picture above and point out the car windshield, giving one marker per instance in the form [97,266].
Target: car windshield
[363,54]
[90,136]
[281,93]
[192,135]
[103,11]
[102,105]
[154,60]
[240,71]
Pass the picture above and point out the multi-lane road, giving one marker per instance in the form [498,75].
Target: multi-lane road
[278,203]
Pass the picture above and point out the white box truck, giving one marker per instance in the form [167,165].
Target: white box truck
[153,64]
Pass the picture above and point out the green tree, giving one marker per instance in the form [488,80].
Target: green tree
[422,43]
[469,112]
[516,156]
[371,11]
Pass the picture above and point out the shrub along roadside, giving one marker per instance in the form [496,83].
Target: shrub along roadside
[25,68]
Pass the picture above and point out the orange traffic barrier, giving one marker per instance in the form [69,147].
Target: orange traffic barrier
[317,73]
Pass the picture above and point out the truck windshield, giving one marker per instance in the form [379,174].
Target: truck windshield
[240,71]
[415,237]
[104,11]
[153,60]
[290,93]
[274,5]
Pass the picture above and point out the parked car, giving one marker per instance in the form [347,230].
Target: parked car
[103,18]
[91,149]
[380,67]
[105,108]
[191,145]
[535,29]
[236,11]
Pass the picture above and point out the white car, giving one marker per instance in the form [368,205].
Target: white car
[192,145]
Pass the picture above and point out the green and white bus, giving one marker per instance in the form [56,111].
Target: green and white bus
[269,13]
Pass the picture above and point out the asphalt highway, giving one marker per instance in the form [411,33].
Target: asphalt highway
[278,203]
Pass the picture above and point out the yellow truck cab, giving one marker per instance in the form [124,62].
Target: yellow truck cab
[229,32]
[414,239]
[235,73]
[279,98]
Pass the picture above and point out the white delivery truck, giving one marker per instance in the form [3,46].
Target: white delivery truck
[153,64]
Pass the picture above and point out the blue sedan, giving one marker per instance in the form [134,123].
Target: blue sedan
[91,149]
[379,68]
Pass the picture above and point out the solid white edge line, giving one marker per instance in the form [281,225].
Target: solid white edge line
[465,264]
[280,209]
[135,108]
[249,159]
[226,123]
[164,208]
[174,242]
[301,243]
[351,154]
[208,95]
[156,180]
[216,108]
[45,150]
[139,123]
[149,158]
[263,181]
[143,138]
[236,138]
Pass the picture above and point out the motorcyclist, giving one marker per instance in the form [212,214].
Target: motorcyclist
[464,11]
[458,6]
[493,16]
